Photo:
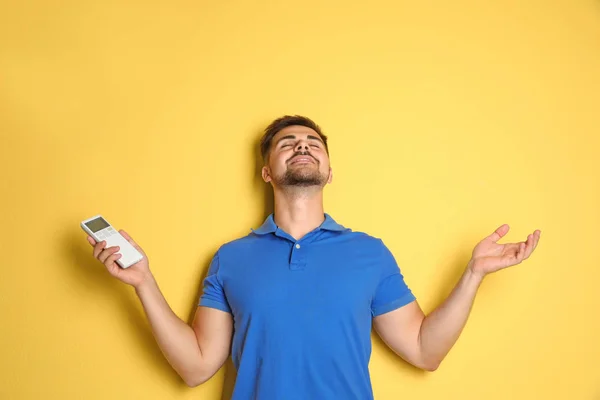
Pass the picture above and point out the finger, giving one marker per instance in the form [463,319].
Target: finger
[530,245]
[537,238]
[499,233]
[512,248]
[520,247]
[522,251]
[98,248]
[111,259]
[91,240]
[107,252]
[515,255]
[524,248]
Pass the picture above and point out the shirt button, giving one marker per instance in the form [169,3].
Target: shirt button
[297,245]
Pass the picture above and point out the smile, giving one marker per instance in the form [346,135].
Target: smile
[302,160]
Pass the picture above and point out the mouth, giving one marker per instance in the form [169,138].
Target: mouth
[302,160]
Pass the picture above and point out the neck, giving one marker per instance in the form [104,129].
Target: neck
[298,210]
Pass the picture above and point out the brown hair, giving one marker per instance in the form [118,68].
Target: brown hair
[284,122]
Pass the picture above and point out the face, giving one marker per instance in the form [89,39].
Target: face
[297,158]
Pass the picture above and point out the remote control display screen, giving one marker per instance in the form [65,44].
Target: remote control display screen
[97,224]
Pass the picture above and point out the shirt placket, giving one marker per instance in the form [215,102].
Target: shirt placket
[298,256]
[298,252]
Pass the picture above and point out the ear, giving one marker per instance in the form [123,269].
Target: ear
[330,175]
[266,174]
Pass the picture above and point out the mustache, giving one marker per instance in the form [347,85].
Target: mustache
[302,153]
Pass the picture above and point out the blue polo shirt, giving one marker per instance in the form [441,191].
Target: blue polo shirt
[302,309]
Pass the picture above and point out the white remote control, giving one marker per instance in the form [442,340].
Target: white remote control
[100,230]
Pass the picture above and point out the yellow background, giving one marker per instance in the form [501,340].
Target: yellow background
[446,120]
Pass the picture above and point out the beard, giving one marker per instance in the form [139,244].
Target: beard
[302,177]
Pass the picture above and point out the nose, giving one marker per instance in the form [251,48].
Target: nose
[302,145]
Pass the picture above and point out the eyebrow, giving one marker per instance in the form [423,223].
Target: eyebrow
[294,137]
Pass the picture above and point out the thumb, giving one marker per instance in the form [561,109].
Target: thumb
[499,233]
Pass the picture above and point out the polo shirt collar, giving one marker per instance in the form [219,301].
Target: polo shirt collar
[269,226]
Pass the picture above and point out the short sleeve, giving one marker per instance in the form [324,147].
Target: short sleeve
[213,295]
[392,292]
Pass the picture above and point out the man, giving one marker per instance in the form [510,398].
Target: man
[295,300]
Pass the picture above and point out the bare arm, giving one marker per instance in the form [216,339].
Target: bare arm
[424,341]
[196,353]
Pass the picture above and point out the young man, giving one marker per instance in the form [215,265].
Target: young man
[295,300]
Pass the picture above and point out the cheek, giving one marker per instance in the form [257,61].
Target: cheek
[323,161]
[277,163]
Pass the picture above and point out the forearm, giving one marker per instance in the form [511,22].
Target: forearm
[442,327]
[175,338]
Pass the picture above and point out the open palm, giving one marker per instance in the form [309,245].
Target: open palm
[490,256]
